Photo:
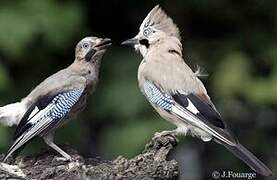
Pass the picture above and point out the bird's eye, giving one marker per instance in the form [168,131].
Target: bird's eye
[146,32]
[86,45]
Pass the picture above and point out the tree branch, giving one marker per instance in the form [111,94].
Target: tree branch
[152,163]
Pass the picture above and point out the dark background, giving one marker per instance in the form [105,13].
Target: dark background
[234,41]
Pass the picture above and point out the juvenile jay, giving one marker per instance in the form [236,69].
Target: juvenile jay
[57,98]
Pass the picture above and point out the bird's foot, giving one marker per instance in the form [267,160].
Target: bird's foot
[163,133]
[173,133]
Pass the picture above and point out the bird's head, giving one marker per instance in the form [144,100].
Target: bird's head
[156,26]
[91,49]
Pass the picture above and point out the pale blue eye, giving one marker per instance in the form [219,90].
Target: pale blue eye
[146,32]
[86,45]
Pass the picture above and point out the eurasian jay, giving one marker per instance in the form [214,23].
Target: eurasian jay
[57,98]
[176,92]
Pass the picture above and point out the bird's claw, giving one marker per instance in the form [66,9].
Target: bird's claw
[163,133]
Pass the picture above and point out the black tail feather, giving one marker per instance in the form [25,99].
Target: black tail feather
[246,156]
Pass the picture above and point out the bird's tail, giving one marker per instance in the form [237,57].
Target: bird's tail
[246,156]
[11,114]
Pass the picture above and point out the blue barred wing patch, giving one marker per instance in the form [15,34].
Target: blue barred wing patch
[63,103]
[156,97]
[41,120]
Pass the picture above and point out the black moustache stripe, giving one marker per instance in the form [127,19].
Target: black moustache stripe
[144,42]
[90,54]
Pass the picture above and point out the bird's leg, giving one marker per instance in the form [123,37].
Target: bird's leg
[164,133]
[48,139]
[175,132]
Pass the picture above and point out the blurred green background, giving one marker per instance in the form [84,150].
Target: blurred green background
[234,41]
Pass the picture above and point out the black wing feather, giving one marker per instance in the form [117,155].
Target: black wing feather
[41,103]
[206,110]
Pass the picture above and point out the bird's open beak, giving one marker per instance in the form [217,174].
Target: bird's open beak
[100,47]
[103,44]
[131,42]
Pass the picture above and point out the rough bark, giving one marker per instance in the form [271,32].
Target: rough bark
[152,163]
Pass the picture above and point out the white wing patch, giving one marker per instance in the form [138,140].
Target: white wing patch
[191,107]
[38,114]
[33,113]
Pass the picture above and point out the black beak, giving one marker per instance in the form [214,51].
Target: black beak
[103,44]
[130,42]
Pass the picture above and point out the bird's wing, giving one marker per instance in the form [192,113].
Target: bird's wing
[46,112]
[194,109]
[25,122]
[202,105]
